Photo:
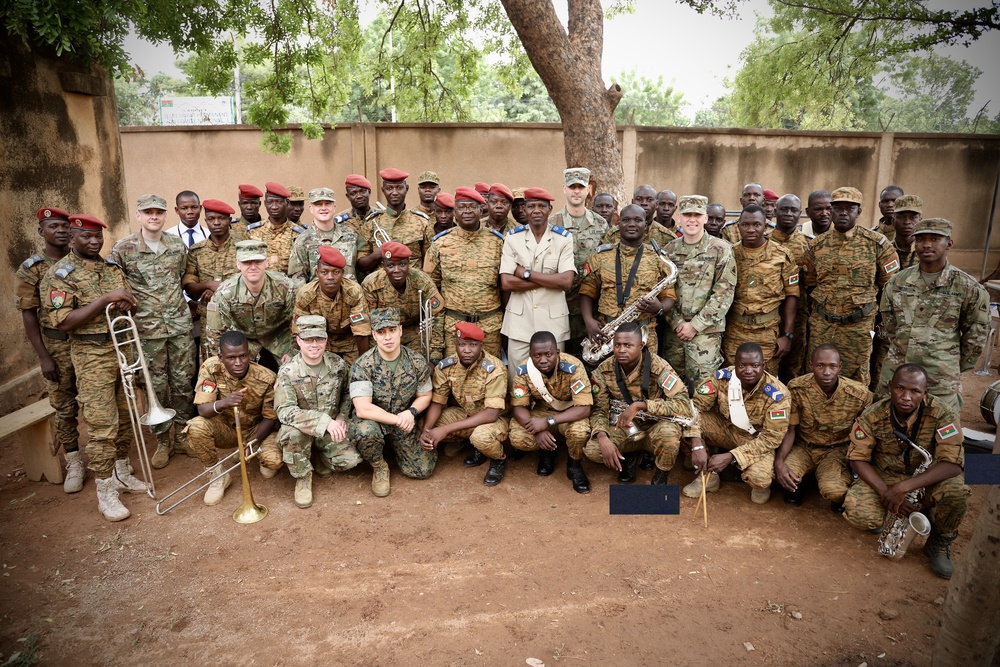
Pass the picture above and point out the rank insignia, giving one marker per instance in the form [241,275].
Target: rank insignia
[57,298]
[891,266]
[357,317]
[669,382]
[778,414]
[577,386]
[946,432]
[519,392]
[706,389]
[207,386]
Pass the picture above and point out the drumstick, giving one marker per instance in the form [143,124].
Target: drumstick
[704,495]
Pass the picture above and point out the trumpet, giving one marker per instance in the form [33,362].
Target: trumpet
[124,334]
[426,327]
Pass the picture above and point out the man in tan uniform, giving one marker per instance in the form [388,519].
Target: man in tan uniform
[414,229]
[428,187]
[787,211]
[249,205]
[358,191]
[278,233]
[500,199]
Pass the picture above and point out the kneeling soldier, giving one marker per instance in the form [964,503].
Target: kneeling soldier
[311,388]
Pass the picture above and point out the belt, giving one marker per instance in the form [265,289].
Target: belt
[54,334]
[467,317]
[763,318]
[92,338]
[851,318]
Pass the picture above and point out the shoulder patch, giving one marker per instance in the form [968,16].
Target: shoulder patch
[560,230]
[731,222]
[891,266]
[420,214]
[577,386]
[567,367]
[343,217]
[859,433]
[496,233]
[706,388]
[793,279]
[604,247]
[773,392]
[778,414]
[440,234]
[31,261]
[519,392]
[725,374]
[254,225]
[207,386]
[446,362]
[517,230]
[669,382]
[298,229]
[948,431]
[65,270]
[374,213]
[487,365]
[522,369]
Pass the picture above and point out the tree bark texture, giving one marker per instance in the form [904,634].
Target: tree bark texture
[569,64]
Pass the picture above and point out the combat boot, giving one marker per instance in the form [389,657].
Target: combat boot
[108,502]
[938,549]
[304,490]
[693,490]
[660,476]
[494,475]
[760,496]
[181,445]
[124,479]
[574,470]
[630,467]
[380,478]
[164,448]
[546,462]
[75,472]
[321,468]
[213,496]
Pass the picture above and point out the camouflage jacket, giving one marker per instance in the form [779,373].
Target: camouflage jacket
[279,241]
[308,399]
[667,394]
[208,262]
[74,282]
[379,293]
[305,251]
[266,320]
[656,232]
[155,281]
[939,432]
[822,421]
[765,276]
[346,314]
[411,228]
[392,389]
[27,287]
[466,268]
[568,382]
[215,383]
[482,386]
[599,278]
[847,270]
[587,231]
[706,283]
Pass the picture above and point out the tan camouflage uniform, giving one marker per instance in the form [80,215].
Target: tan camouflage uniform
[305,251]
[238,228]
[466,391]
[587,230]
[353,222]
[569,382]
[411,228]
[266,320]
[654,231]
[379,293]
[346,315]
[797,244]
[279,240]
[208,262]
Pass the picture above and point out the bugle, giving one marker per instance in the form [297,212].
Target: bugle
[249,511]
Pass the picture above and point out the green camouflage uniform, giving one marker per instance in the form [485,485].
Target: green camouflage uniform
[880,343]
[465,391]
[822,431]
[307,399]
[569,382]
[305,251]
[411,228]
[872,441]
[266,320]
[346,315]
[794,363]
[279,241]
[587,230]
[379,293]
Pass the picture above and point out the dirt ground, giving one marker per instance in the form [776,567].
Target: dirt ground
[449,572]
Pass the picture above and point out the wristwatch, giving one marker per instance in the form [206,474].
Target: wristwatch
[551,421]
[526,275]
[789,335]
[414,411]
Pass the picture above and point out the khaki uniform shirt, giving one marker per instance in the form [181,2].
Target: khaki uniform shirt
[848,269]
[706,283]
[542,308]
[379,293]
[353,221]
[599,278]
[155,280]
[238,228]
[764,277]
[473,389]
[215,383]
[568,382]
[466,266]
[74,282]
[27,287]
[667,394]
[822,421]
[279,241]
[305,251]
[307,398]
[265,319]
[411,228]
[207,262]
[346,314]
[940,433]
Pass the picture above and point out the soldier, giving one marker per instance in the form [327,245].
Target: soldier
[484,190]
[769,205]
[340,301]
[824,407]
[787,210]
[249,204]
[469,402]
[464,263]
[257,302]
[413,229]
[935,314]
[313,405]
[641,381]
[820,212]
[887,207]
[537,268]
[604,206]
[428,187]
[661,228]
[753,401]
[499,200]
[400,286]
[390,387]
[706,282]
[887,466]
[154,265]
[517,206]
[621,275]
[229,380]
[551,398]
[358,191]
[296,204]
[716,213]
[51,345]
[444,212]
[277,232]
[666,205]
[752,193]
[644,197]
[325,230]
[845,267]
[80,287]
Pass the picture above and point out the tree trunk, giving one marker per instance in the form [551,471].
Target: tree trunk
[569,64]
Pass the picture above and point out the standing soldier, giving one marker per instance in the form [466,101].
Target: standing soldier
[154,264]
[786,232]
[313,404]
[249,203]
[666,206]
[658,232]
[278,233]
[517,206]
[845,267]
[413,229]
[444,212]
[464,262]
[887,207]
[469,401]
[325,230]
[428,187]
[51,345]
[716,219]
[358,191]
[296,204]
[752,193]
[500,199]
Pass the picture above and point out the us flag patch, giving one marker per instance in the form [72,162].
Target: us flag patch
[947,431]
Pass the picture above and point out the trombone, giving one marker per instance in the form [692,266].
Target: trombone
[379,236]
[425,329]
[124,333]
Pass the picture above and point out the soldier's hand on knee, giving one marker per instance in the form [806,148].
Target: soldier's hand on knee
[536,425]
[785,476]
[337,428]
[546,441]
[609,452]
[894,500]
[405,421]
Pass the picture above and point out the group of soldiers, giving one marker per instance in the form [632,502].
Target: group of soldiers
[636,337]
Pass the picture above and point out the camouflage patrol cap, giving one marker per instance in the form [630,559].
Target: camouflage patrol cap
[321,194]
[428,177]
[847,194]
[938,226]
[693,204]
[518,193]
[146,202]
[297,193]
[311,326]
[909,203]
[576,176]
[384,318]
[250,250]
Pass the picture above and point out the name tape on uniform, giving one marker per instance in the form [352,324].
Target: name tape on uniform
[644,499]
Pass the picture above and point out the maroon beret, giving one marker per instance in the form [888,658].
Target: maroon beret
[82,221]
[469,331]
[537,193]
[468,194]
[330,255]
[248,191]
[444,200]
[482,188]
[392,174]
[501,189]
[358,180]
[217,206]
[277,189]
[770,195]
[47,212]
[395,250]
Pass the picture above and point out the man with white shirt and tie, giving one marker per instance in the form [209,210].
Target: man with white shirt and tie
[187,206]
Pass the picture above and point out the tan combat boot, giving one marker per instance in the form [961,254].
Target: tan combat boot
[304,490]
[75,472]
[124,480]
[164,449]
[108,502]
[760,496]
[181,443]
[213,496]
[380,478]
[693,490]
[267,473]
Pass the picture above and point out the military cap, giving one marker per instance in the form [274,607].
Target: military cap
[84,221]
[428,177]
[847,194]
[576,176]
[384,318]
[469,331]
[250,250]
[147,202]
[330,255]
[518,193]
[321,194]
[217,206]
[770,195]
[501,189]
[482,188]
[277,189]
[311,326]
[393,175]
[444,200]
[909,203]
[692,204]
[250,191]
[938,226]
[538,193]
[358,180]
[295,193]
[395,250]
[468,194]
[51,213]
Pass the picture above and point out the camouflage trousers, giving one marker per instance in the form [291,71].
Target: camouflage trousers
[794,364]
[204,436]
[765,335]
[62,394]
[102,405]
[371,437]
[491,325]
[695,359]
[171,365]
[718,431]
[949,499]
[829,464]
[880,348]
[854,341]
[487,438]
[576,434]
[663,440]
[296,448]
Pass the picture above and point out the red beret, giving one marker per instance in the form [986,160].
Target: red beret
[770,195]
[277,189]
[358,180]
[392,174]
[444,200]
[250,191]
[469,331]
[537,193]
[82,221]
[395,250]
[330,255]
[217,206]
[468,194]
[482,188]
[501,189]
[47,212]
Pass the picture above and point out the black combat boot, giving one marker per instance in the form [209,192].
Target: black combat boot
[574,471]
[630,467]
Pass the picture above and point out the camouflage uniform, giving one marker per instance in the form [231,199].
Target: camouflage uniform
[654,231]
[569,382]
[706,283]
[279,241]
[599,283]
[509,225]
[305,251]
[797,244]
[822,431]
[466,268]
[768,406]
[238,228]
[266,320]
[346,315]
[393,390]
[379,293]
[731,233]
[62,394]
[352,221]
[411,228]
[942,326]
[219,431]
[162,318]
[846,271]
[880,342]
[208,262]
[765,277]
[307,400]
[587,230]
[667,397]
[872,441]
[886,228]
[465,391]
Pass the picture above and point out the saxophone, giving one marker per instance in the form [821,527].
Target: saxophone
[635,434]
[898,531]
[593,353]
